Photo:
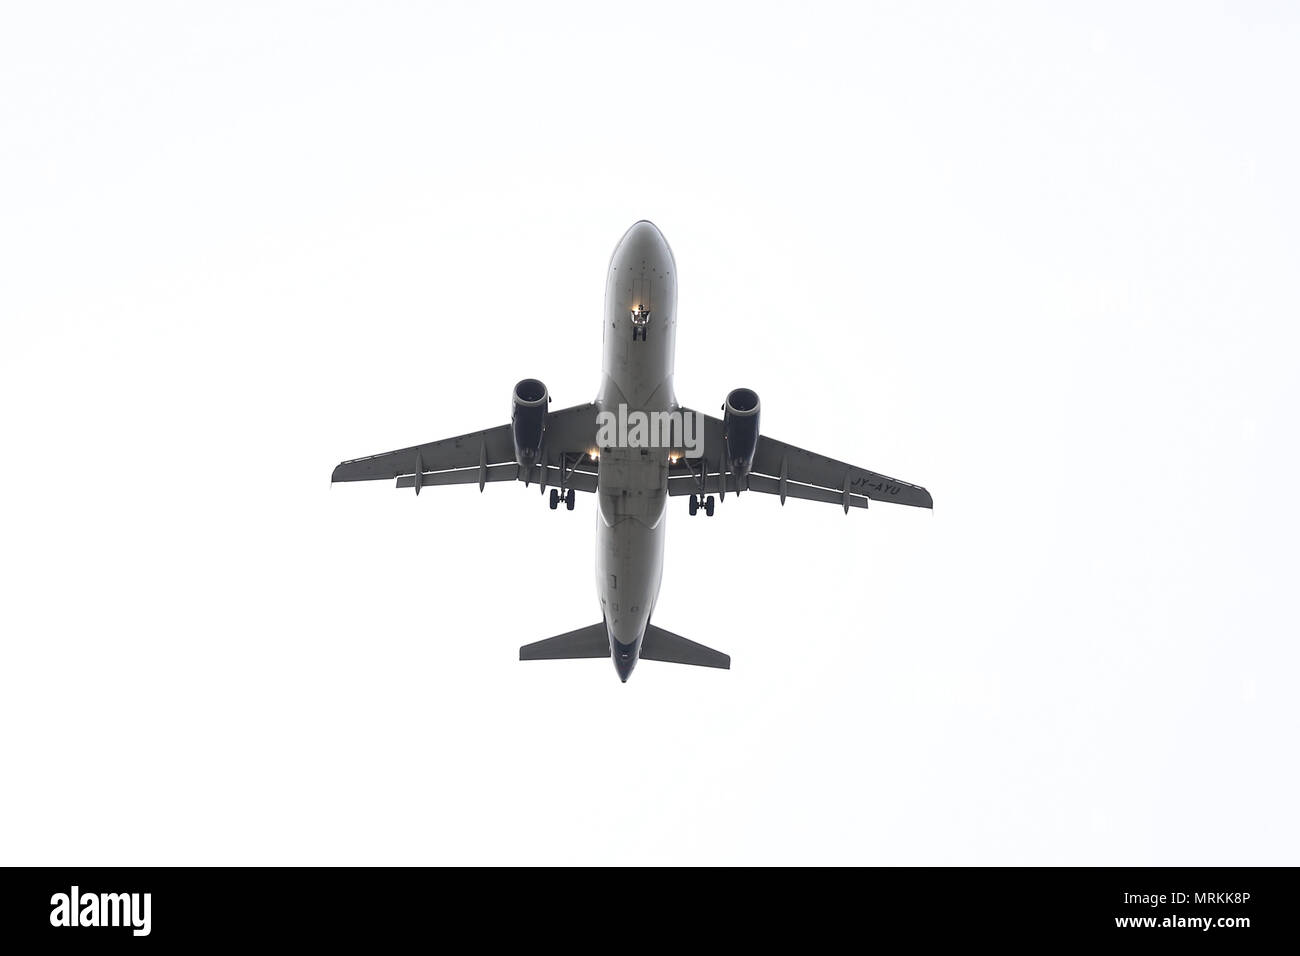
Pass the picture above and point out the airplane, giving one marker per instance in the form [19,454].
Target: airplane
[634,447]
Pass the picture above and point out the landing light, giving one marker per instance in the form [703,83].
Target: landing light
[593,455]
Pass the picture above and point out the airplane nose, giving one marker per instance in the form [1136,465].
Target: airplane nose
[644,229]
[624,660]
[643,239]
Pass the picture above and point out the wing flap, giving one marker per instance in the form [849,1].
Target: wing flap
[578,480]
[690,484]
[794,489]
[462,476]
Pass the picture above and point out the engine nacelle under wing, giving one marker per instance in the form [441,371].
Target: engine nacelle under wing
[740,429]
[528,421]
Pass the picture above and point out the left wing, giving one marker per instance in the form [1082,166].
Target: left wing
[790,471]
[488,455]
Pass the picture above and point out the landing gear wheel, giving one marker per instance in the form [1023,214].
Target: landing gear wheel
[568,499]
[695,504]
[708,506]
[555,499]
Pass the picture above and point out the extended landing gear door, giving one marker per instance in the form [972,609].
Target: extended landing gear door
[640,294]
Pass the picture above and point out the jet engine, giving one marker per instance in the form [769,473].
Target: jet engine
[528,420]
[740,426]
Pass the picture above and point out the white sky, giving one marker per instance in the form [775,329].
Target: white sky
[1042,262]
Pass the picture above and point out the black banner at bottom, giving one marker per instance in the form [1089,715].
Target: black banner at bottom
[168,906]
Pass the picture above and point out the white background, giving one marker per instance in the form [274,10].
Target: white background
[1041,262]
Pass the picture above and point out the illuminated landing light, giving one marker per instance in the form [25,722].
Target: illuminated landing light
[673,458]
[593,455]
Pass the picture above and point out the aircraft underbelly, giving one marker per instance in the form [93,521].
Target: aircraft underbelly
[639,338]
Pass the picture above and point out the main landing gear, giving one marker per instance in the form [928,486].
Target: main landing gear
[556,498]
[699,478]
[698,501]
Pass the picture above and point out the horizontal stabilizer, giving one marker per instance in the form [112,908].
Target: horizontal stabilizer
[590,641]
[661,645]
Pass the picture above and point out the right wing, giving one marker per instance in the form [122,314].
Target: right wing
[488,455]
[790,471]
[814,471]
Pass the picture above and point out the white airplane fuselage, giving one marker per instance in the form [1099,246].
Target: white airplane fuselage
[637,373]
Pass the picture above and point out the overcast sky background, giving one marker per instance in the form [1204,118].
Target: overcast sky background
[1041,261]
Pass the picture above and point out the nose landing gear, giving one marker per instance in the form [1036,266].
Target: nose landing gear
[640,320]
